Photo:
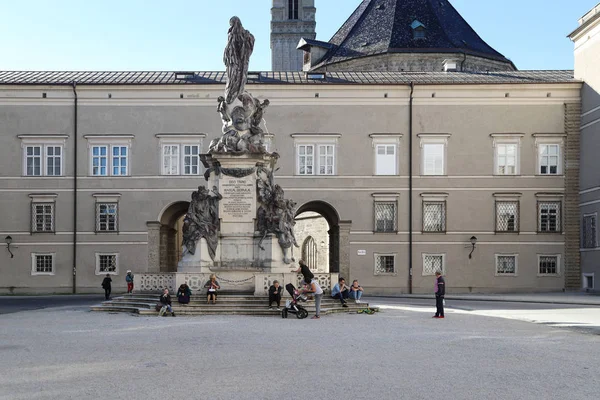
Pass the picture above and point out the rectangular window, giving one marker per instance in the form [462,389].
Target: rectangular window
[433,158]
[306,159]
[53,160]
[107,264]
[106,217]
[33,157]
[42,217]
[548,265]
[507,216]
[191,160]
[589,239]
[326,159]
[171,159]
[506,159]
[99,160]
[506,264]
[385,264]
[293,9]
[549,216]
[119,160]
[434,216]
[549,159]
[385,216]
[433,263]
[42,264]
[385,159]
[588,281]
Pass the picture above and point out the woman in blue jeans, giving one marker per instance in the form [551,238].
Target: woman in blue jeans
[356,291]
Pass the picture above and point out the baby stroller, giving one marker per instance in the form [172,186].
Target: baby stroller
[292,306]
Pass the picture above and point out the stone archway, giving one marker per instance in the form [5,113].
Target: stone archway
[164,237]
[339,232]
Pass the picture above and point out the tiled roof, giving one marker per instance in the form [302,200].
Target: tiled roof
[386,26]
[282,78]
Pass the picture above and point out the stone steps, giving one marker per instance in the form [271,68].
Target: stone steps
[226,305]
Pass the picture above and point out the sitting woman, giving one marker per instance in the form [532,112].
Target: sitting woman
[184,293]
[212,286]
[356,291]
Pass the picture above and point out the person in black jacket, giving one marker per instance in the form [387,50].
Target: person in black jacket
[107,286]
[305,271]
[165,300]
[275,295]
[440,292]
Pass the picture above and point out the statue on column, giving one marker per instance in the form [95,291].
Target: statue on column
[202,221]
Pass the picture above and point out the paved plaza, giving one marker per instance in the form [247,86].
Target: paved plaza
[400,353]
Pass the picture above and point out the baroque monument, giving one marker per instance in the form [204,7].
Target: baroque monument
[244,222]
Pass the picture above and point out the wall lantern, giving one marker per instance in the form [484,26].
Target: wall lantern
[8,241]
[473,241]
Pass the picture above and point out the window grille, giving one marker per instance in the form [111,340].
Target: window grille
[549,216]
[42,217]
[434,216]
[548,265]
[506,265]
[433,263]
[589,239]
[384,264]
[43,263]
[507,216]
[107,263]
[106,217]
[310,253]
[385,217]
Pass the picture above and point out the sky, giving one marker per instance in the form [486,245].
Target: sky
[144,35]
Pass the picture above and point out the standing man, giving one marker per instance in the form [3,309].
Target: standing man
[107,286]
[440,292]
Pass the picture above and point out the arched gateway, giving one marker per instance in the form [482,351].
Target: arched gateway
[164,238]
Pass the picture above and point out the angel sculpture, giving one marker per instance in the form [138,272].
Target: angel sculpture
[240,44]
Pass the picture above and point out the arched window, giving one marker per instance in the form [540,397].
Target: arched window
[293,9]
[309,253]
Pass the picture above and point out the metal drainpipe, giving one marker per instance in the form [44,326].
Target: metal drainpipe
[74,86]
[410,189]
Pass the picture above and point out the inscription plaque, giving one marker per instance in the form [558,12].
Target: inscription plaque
[239,198]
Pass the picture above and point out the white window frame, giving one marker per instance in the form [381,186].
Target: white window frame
[43,142]
[502,139]
[386,140]
[594,217]
[180,141]
[106,198]
[317,142]
[34,270]
[110,142]
[97,257]
[549,139]
[393,255]
[424,255]
[558,266]
[584,280]
[43,199]
[434,139]
[516,257]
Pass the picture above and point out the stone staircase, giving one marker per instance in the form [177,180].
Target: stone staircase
[227,304]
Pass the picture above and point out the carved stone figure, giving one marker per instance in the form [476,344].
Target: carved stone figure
[275,214]
[202,221]
[240,44]
[240,112]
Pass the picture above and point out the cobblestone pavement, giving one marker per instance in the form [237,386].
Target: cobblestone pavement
[399,353]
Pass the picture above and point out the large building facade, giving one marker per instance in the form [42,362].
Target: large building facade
[472,173]
[587,60]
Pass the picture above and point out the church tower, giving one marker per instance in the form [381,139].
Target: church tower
[291,20]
